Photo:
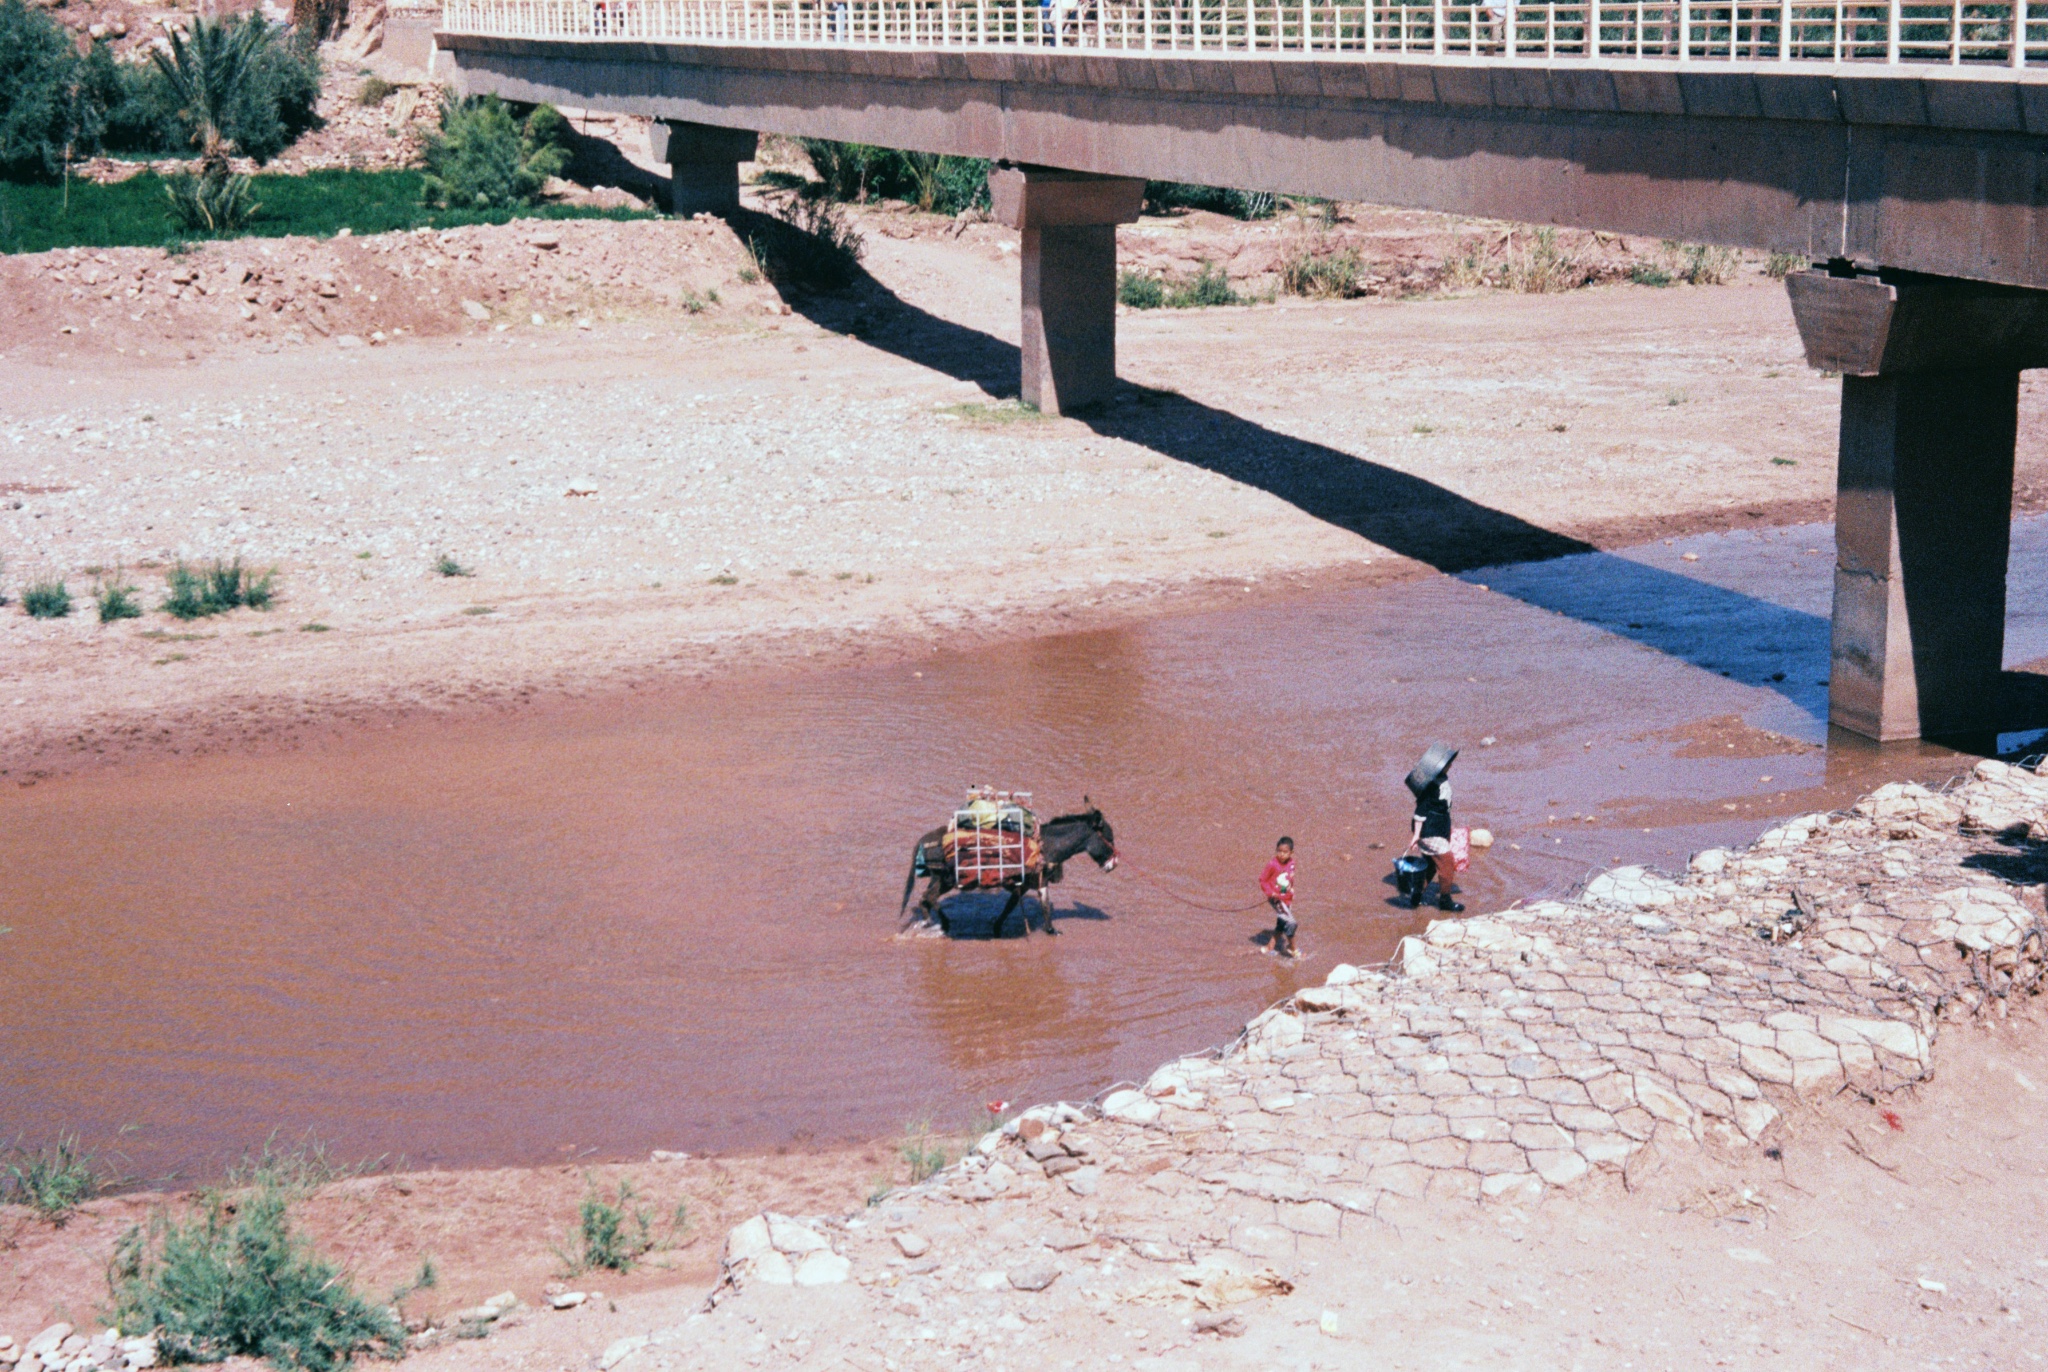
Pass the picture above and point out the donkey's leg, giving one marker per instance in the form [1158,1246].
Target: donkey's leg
[1045,904]
[1016,895]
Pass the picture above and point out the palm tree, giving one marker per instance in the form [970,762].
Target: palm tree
[208,70]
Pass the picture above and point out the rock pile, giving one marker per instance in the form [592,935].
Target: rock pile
[60,1348]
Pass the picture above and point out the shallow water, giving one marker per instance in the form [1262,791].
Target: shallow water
[666,919]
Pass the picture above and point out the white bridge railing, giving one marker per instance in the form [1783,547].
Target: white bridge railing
[1951,33]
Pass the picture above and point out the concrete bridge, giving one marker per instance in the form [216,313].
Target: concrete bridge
[1898,147]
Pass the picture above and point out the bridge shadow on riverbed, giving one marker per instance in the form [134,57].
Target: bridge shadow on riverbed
[1735,635]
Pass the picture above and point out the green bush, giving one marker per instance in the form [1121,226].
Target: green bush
[213,201]
[1139,290]
[239,85]
[51,109]
[194,594]
[936,182]
[1648,274]
[614,1234]
[481,158]
[46,600]
[1333,276]
[234,1280]
[52,1181]
[115,600]
[375,90]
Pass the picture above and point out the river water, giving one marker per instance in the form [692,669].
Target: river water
[667,919]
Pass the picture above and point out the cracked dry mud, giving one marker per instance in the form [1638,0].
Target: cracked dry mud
[1497,1058]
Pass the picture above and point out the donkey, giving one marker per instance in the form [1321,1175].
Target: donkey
[1061,839]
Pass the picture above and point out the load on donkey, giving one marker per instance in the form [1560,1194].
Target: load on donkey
[995,843]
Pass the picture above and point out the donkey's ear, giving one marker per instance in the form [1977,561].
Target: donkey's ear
[1085,801]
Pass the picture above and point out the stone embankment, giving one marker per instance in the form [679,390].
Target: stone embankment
[1496,1057]
[60,1348]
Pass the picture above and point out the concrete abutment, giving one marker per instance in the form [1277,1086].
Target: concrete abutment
[1930,403]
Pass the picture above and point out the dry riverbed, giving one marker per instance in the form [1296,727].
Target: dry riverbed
[646,482]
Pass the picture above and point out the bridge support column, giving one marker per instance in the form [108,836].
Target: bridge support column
[704,164]
[1923,508]
[1069,221]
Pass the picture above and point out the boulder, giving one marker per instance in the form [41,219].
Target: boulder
[822,1268]
[1033,1274]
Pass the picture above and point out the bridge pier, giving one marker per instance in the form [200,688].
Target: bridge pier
[703,162]
[1068,221]
[1923,508]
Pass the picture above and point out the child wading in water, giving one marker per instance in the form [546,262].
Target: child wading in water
[1277,881]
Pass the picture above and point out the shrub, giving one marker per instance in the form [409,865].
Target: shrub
[808,244]
[375,90]
[1334,276]
[1703,264]
[46,600]
[1649,274]
[1781,264]
[936,182]
[1164,197]
[1140,291]
[1543,267]
[214,201]
[1209,286]
[52,1181]
[921,1152]
[448,566]
[614,1234]
[234,1280]
[51,105]
[216,590]
[320,18]
[116,600]
[482,158]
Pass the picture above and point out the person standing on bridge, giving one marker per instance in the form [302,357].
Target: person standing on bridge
[1432,833]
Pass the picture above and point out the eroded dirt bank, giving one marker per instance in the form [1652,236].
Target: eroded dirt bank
[685,484]
[1783,1110]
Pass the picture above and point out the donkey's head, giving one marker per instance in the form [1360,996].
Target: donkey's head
[1101,838]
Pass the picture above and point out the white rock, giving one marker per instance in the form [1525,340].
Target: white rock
[1413,955]
[47,1341]
[1131,1107]
[568,1300]
[475,309]
[620,1350]
[1480,838]
[1709,862]
[748,1240]
[992,1281]
[822,1268]
[1343,974]
[793,1238]
[912,1244]
[772,1269]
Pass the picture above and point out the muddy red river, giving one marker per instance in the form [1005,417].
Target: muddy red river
[668,919]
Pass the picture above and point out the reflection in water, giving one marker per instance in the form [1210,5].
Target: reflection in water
[665,920]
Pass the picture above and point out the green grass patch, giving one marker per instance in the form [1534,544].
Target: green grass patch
[923,1153]
[1208,286]
[53,1180]
[316,627]
[1645,274]
[115,600]
[1002,412]
[192,593]
[479,609]
[448,566]
[136,213]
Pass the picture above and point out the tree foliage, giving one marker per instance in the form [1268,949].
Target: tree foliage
[483,158]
